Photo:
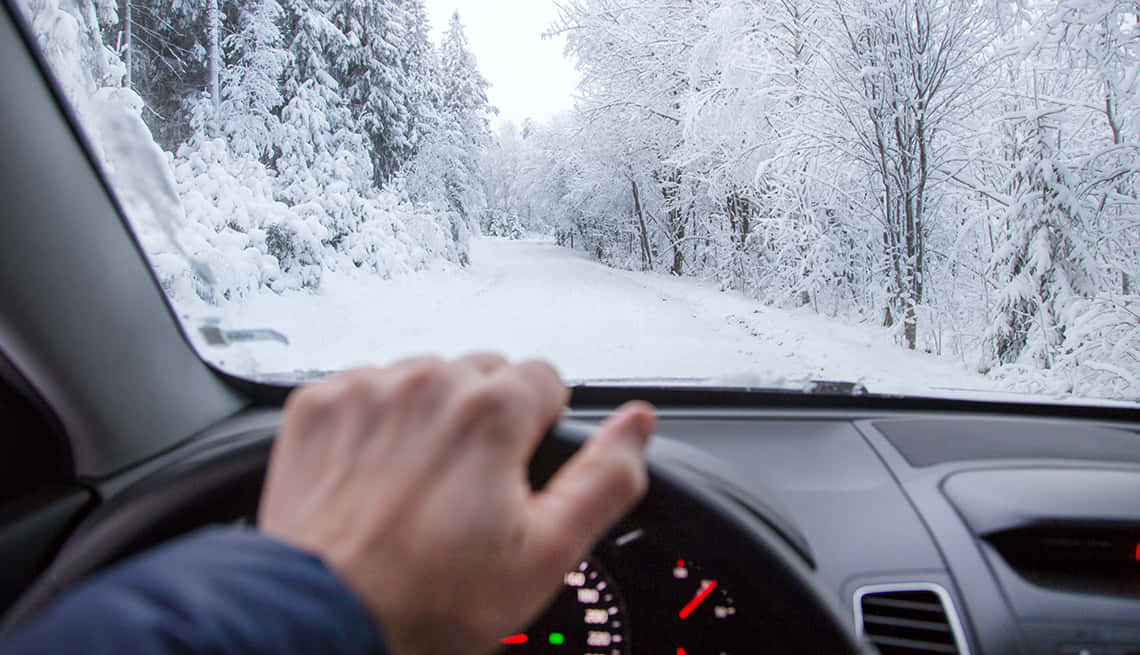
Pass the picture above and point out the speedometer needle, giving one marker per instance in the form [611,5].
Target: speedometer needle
[698,599]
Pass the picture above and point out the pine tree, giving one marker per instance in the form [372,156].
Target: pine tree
[251,85]
[1041,263]
[464,131]
[168,51]
[379,70]
[449,162]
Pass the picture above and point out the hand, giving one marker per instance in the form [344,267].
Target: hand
[411,483]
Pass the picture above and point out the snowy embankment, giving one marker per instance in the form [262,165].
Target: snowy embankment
[534,299]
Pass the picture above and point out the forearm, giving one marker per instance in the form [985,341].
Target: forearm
[216,592]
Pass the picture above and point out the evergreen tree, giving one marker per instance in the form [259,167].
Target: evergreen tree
[379,69]
[251,85]
[1041,263]
[449,164]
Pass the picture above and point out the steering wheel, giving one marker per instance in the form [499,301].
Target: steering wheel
[221,483]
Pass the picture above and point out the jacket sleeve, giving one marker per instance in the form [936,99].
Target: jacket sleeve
[217,592]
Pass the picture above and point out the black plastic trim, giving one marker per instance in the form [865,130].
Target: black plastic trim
[587,397]
[82,315]
[187,494]
[31,532]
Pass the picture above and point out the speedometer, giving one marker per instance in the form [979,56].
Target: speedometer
[704,612]
[587,618]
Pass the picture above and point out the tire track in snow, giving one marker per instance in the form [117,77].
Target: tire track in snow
[535,299]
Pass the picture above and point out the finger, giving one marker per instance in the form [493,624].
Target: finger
[551,396]
[485,363]
[509,410]
[409,362]
[594,489]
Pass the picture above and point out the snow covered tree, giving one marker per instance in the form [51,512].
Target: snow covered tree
[251,86]
[169,46]
[380,68]
[449,162]
[1102,38]
[1039,263]
[903,70]
[636,77]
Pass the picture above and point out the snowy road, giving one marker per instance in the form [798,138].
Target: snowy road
[532,298]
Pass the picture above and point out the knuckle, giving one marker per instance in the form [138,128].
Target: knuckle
[409,362]
[543,370]
[417,378]
[309,405]
[486,360]
[361,389]
[483,400]
[493,401]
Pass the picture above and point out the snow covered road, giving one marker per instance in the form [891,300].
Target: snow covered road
[534,299]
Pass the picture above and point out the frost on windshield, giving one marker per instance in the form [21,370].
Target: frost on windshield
[926,196]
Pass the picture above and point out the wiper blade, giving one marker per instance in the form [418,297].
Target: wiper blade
[835,388]
[216,336]
[291,378]
[744,383]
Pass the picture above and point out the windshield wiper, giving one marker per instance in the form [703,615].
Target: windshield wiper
[835,388]
[216,336]
[744,383]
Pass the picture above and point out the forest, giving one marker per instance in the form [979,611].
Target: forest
[962,172]
[256,145]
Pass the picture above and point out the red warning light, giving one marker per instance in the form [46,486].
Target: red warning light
[1138,552]
[514,640]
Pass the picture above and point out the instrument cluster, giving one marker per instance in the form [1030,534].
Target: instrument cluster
[640,591]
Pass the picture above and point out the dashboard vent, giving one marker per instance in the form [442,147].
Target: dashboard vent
[909,620]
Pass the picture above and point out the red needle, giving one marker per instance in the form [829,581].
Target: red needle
[698,599]
[514,640]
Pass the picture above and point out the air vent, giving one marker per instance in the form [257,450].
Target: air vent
[913,619]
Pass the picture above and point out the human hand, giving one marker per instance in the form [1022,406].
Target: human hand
[411,482]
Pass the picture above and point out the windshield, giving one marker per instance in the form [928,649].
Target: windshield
[920,197]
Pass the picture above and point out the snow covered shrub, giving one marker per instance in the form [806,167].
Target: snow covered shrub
[396,237]
[501,223]
[229,207]
[70,37]
[1102,353]
[296,249]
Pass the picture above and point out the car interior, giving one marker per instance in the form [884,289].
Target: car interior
[775,522]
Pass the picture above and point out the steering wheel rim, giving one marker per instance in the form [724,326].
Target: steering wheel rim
[185,496]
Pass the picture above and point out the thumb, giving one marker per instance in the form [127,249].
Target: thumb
[592,490]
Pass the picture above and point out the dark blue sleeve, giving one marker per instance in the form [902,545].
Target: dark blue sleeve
[218,592]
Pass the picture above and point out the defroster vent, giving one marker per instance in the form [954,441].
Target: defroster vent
[911,619]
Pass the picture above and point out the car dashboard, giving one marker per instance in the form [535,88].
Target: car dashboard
[923,531]
[934,533]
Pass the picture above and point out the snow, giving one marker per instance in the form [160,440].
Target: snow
[329,168]
[535,299]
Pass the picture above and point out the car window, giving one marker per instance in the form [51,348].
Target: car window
[920,197]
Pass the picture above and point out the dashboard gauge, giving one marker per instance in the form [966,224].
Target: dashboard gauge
[702,610]
[587,618]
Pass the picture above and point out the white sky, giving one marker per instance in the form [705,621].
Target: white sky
[529,76]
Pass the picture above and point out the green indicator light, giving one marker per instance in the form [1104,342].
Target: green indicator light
[557,638]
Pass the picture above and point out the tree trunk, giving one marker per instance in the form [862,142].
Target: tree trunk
[678,254]
[128,29]
[646,254]
[214,52]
